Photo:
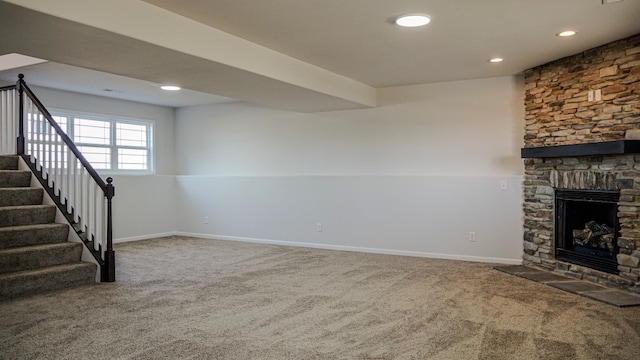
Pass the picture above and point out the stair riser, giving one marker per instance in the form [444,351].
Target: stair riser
[27,215]
[15,178]
[25,284]
[20,196]
[8,163]
[33,235]
[25,258]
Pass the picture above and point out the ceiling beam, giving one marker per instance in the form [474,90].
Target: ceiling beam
[139,40]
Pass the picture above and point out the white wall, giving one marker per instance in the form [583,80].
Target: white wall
[144,205]
[413,176]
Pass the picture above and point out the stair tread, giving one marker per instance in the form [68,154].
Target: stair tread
[39,247]
[9,162]
[15,178]
[27,235]
[16,196]
[12,171]
[37,206]
[48,269]
[23,188]
[42,280]
[30,227]
[27,214]
[39,256]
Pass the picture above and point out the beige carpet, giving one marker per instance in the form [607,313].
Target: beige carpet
[185,298]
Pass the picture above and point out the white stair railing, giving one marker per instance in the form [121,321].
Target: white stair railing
[29,130]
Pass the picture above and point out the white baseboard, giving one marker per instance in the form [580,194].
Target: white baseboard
[144,237]
[358,249]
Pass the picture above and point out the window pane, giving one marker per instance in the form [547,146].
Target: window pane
[56,156]
[35,126]
[61,155]
[99,157]
[92,131]
[131,135]
[38,127]
[63,122]
[100,138]
[132,159]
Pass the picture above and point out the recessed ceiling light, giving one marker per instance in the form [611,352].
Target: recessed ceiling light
[412,20]
[170,87]
[566,33]
[496,60]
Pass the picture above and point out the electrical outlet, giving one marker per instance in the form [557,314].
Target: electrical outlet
[503,185]
[319,227]
[472,236]
[590,95]
[598,95]
[206,219]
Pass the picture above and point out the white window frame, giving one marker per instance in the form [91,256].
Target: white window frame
[113,120]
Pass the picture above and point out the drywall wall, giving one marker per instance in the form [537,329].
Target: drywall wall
[454,128]
[408,215]
[143,205]
[413,176]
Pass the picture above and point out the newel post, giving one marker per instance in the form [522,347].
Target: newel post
[20,140]
[109,268]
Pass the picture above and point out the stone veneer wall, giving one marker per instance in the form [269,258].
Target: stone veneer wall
[558,112]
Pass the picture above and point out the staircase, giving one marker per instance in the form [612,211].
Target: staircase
[35,256]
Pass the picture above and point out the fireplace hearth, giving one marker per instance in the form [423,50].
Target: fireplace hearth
[587,228]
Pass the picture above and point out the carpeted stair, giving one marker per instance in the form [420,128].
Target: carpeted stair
[35,255]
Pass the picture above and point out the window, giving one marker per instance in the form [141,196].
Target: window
[116,145]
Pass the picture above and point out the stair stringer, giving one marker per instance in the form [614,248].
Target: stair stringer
[60,218]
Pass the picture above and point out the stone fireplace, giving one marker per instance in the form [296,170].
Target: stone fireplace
[566,195]
[582,165]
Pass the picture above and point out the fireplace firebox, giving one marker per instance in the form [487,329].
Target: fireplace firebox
[587,228]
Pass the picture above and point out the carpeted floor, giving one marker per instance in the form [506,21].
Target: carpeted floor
[185,298]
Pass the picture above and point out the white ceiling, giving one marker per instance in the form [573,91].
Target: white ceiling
[357,38]
[76,79]
[346,48]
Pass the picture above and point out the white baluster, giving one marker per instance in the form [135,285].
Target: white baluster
[77,198]
[85,200]
[5,126]
[32,140]
[57,166]
[70,181]
[47,150]
[38,139]
[91,220]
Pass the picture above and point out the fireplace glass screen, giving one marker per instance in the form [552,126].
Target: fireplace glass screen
[587,228]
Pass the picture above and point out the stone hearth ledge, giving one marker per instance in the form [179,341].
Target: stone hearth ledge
[583,288]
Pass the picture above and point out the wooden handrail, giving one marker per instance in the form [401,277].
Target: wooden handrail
[72,146]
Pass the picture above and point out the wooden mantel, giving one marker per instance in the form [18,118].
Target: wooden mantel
[619,147]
